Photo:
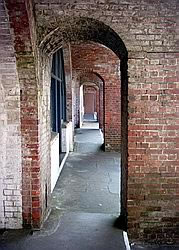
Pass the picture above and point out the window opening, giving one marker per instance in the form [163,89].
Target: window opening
[58,94]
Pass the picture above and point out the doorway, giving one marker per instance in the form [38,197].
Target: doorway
[89,106]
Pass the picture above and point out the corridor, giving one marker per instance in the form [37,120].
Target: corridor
[85,202]
[89,181]
[87,194]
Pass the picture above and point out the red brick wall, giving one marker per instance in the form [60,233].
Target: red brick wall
[99,59]
[33,178]
[153,147]
[29,105]
[68,79]
[149,30]
[76,101]
[10,132]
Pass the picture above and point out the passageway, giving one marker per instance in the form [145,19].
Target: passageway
[89,138]
[87,193]
[85,201]
[90,179]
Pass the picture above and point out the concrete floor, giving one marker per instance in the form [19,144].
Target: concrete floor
[88,140]
[87,194]
[89,183]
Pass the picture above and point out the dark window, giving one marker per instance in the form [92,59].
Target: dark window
[58,92]
[53,106]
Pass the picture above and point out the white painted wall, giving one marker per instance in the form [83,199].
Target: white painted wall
[67,137]
[81,106]
[67,145]
[71,136]
[54,161]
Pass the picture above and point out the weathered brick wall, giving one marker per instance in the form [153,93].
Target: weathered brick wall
[149,29]
[96,58]
[44,81]
[75,100]
[10,145]
[153,147]
[33,178]
[68,79]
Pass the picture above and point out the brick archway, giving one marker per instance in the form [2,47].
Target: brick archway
[81,29]
[87,29]
[91,76]
[34,29]
[96,81]
[34,77]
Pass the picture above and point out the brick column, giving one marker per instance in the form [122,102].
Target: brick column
[23,43]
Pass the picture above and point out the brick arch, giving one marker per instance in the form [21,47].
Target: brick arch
[35,203]
[90,76]
[92,57]
[95,80]
[159,57]
[91,85]
[83,29]
[72,29]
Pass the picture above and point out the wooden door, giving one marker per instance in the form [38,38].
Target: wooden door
[89,106]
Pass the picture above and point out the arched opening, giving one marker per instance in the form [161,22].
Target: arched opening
[66,33]
[94,57]
[95,81]
[153,156]
[91,102]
